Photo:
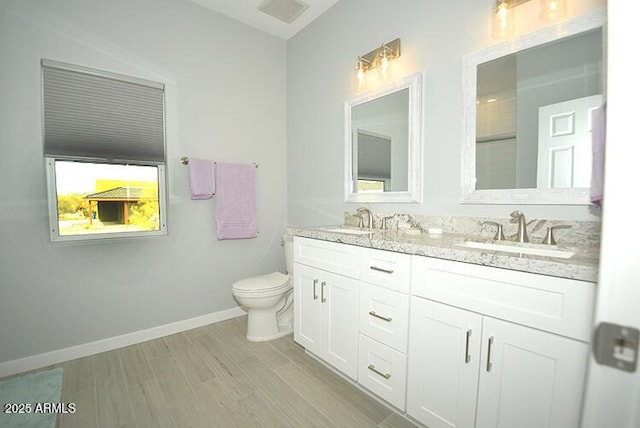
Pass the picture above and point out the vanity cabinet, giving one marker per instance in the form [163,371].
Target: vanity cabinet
[383,323]
[453,344]
[326,302]
[491,347]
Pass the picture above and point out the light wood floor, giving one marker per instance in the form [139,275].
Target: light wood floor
[213,377]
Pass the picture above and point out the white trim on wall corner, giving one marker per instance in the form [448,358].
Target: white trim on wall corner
[61,355]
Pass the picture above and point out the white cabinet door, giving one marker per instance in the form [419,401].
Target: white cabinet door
[444,359]
[307,308]
[339,299]
[326,316]
[529,378]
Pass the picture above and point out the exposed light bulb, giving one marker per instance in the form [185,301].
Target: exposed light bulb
[550,10]
[502,20]
[361,76]
[384,67]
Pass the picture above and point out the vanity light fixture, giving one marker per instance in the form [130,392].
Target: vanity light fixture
[503,21]
[379,59]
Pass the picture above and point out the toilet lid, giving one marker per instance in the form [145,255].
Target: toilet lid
[266,282]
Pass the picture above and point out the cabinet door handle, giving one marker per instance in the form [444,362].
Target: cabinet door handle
[382,317]
[467,357]
[315,293]
[322,284]
[379,269]
[489,345]
[378,372]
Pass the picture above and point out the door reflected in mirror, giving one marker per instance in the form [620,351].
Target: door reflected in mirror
[383,144]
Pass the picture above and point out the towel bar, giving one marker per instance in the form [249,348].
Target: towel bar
[185,161]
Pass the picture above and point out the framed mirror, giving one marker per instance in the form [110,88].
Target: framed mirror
[383,144]
[528,105]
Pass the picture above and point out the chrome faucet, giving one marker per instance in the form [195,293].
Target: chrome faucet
[521,236]
[361,212]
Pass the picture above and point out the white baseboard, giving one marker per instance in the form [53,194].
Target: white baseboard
[61,355]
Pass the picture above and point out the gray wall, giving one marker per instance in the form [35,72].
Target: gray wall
[435,36]
[226,100]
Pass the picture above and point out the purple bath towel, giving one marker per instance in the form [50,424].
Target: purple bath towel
[236,216]
[598,137]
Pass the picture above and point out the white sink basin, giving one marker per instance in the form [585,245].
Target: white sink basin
[348,231]
[517,248]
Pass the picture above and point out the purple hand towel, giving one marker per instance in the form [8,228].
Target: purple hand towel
[598,137]
[201,179]
[236,216]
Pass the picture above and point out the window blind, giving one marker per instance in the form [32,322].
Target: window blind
[100,115]
[374,156]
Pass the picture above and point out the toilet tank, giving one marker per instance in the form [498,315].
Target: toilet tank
[287,247]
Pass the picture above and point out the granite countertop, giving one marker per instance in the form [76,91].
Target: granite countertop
[583,265]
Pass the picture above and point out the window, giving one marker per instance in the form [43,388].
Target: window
[105,153]
[98,198]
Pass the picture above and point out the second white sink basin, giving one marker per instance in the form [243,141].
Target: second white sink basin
[517,248]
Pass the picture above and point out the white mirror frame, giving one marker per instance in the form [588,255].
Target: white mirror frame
[414,161]
[469,195]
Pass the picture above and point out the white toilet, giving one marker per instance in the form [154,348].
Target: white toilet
[268,300]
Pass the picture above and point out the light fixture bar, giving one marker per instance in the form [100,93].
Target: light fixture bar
[514,3]
[372,59]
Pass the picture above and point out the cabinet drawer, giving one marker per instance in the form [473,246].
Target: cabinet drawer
[384,315]
[558,305]
[332,257]
[385,268]
[382,370]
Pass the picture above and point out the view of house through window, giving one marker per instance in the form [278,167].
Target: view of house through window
[371,186]
[95,198]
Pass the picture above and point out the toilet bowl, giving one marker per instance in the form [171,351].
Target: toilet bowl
[268,300]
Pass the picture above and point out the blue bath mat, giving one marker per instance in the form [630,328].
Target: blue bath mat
[31,401]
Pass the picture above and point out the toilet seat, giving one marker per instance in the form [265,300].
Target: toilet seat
[275,282]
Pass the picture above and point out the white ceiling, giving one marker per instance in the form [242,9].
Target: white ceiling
[246,11]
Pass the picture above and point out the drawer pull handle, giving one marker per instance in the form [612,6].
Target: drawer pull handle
[382,317]
[322,285]
[467,357]
[378,372]
[490,344]
[379,269]
[315,293]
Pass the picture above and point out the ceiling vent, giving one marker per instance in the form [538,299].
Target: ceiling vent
[284,10]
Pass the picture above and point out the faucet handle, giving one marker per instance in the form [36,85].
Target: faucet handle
[383,223]
[499,234]
[360,220]
[549,239]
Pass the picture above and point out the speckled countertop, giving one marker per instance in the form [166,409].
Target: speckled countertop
[583,265]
